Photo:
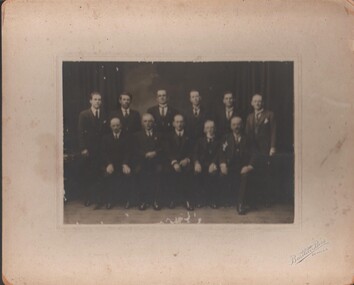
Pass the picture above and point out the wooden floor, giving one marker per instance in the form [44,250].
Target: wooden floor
[76,213]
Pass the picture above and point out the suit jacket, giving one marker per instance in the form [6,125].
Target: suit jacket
[115,151]
[222,123]
[163,124]
[206,153]
[91,130]
[144,144]
[178,148]
[195,125]
[262,134]
[236,154]
[131,123]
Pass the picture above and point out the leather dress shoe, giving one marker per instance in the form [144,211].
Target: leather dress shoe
[108,206]
[127,205]
[142,206]
[172,205]
[189,206]
[156,206]
[240,209]
[87,203]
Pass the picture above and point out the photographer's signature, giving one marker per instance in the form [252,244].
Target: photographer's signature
[316,247]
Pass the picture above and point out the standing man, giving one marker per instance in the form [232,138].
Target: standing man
[261,131]
[195,116]
[224,115]
[179,151]
[236,163]
[116,158]
[148,163]
[163,113]
[129,118]
[206,166]
[92,125]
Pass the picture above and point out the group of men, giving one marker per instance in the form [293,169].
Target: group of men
[168,157]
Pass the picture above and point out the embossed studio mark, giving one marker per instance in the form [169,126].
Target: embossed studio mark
[315,248]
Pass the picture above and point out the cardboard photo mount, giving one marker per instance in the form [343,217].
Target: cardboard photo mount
[39,249]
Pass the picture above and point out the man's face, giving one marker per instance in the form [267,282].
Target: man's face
[257,102]
[236,125]
[209,128]
[161,97]
[195,98]
[96,101]
[228,100]
[178,123]
[116,125]
[124,101]
[147,122]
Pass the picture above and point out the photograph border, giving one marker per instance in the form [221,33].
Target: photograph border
[117,57]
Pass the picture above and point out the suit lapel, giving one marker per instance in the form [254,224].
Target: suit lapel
[232,143]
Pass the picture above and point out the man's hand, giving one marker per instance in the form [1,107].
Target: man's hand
[223,168]
[246,169]
[272,151]
[177,167]
[150,154]
[197,167]
[126,169]
[85,152]
[212,168]
[110,168]
[184,162]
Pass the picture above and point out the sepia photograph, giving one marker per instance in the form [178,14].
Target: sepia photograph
[178,142]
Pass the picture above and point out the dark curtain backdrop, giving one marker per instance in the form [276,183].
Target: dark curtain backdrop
[274,80]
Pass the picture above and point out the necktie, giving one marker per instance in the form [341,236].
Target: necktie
[162,111]
[116,136]
[258,117]
[195,112]
[229,114]
[125,113]
[96,114]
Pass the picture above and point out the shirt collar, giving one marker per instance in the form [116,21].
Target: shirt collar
[125,110]
[179,132]
[93,110]
[117,134]
[162,106]
[259,112]
[229,109]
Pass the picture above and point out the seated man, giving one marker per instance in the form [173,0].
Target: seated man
[236,162]
[205,166]
[148,163]
[179,150]
[116,159]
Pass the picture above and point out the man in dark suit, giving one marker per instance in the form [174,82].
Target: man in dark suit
[236,162]
[92,126]
[261,131]
[205,160]
[195,114]
[148,163]
[130,118]
[116,158]
[179,152]
[163,113]
[223,116]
